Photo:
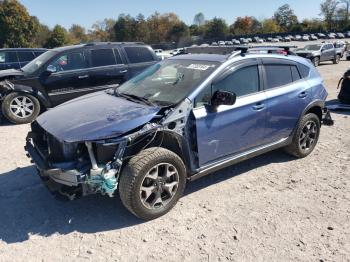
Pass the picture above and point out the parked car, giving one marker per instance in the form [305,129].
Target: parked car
[298,38]
[221,43]
[340,35]
[228,43]
[214,44]
[331,36]
[319,53]
[65,73]
[236,42]
[275,40]
[305,38]
[16,58]
[287,39]
[313,37]
[340,48]
[321,36]
[179,120]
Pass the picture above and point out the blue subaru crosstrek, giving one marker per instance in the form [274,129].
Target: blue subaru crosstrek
[179,120]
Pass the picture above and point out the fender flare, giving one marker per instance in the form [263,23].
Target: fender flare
[43,99]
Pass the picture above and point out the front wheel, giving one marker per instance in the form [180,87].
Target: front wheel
[316,61]
[20,108]
[152,183]
[336,59]
[306,136]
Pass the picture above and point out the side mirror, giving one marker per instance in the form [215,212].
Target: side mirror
[223,98]
[51,69]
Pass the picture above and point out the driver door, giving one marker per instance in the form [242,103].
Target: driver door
[70,79]
[231,130]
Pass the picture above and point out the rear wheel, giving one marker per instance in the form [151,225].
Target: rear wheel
[152,183]
[305,137]
[20,108]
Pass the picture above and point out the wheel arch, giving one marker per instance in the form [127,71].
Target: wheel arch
[22,89]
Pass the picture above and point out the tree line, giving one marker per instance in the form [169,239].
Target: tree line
[19,29]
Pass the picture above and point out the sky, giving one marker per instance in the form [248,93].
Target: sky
[86,12]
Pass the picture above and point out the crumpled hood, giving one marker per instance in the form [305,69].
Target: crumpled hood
[95,116]
[10,72]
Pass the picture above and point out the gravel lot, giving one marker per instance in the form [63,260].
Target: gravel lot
[271,208]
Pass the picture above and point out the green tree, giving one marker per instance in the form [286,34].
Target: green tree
[269,26]
[17,27]
[245,25]
[216,28]
[199,19]
[285,17]
[41,36]
[58,37]
[124,28]
[179,32]
[102,31]
[328,10]
[78,34]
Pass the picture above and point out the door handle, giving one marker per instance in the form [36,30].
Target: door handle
[259,106]
[123,71]
[83,77]
[303,94]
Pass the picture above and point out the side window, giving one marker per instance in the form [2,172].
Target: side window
[8,57]
[25,56]
[242,82]
[38,53]
[117,56]
[278,75]
[295,73]
[138,54]
[2,57]
[102,57]
[71,61]
[304,70]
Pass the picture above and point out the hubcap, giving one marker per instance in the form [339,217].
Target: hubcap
[22,106]
[159,186]
[308,136]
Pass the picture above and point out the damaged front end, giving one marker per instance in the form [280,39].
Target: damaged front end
[77,169]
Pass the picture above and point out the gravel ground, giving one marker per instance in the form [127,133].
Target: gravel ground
[271,208]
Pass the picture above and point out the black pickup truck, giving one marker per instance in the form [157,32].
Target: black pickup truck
[65,73]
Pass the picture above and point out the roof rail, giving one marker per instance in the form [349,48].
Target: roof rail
[109,43]
[234,54]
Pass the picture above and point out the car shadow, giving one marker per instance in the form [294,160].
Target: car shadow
[27,208]
[333,102]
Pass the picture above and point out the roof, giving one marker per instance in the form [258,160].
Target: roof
[99,44]
[201,57]
[23,49]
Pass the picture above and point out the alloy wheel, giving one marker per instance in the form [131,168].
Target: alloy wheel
[308,136]
[22,106]
[159,186]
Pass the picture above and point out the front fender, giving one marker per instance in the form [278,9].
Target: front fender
[7,87]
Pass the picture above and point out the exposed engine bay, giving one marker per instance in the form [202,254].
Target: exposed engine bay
[76,169]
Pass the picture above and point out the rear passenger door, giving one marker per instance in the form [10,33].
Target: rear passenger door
[8,60]
[139,58]
[106,69]
[25,57]
[287,94]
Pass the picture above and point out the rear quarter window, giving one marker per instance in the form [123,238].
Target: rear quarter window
[139,54]
[304,70]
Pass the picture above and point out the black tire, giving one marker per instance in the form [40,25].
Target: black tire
[296,148]
[336,59]
[20,118]
[316,61]
[136,173]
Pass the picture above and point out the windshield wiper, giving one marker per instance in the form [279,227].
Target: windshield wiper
[180,77]
[135,97]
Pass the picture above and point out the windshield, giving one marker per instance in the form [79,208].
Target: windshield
[312,47]
[34,65]
[168,82]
